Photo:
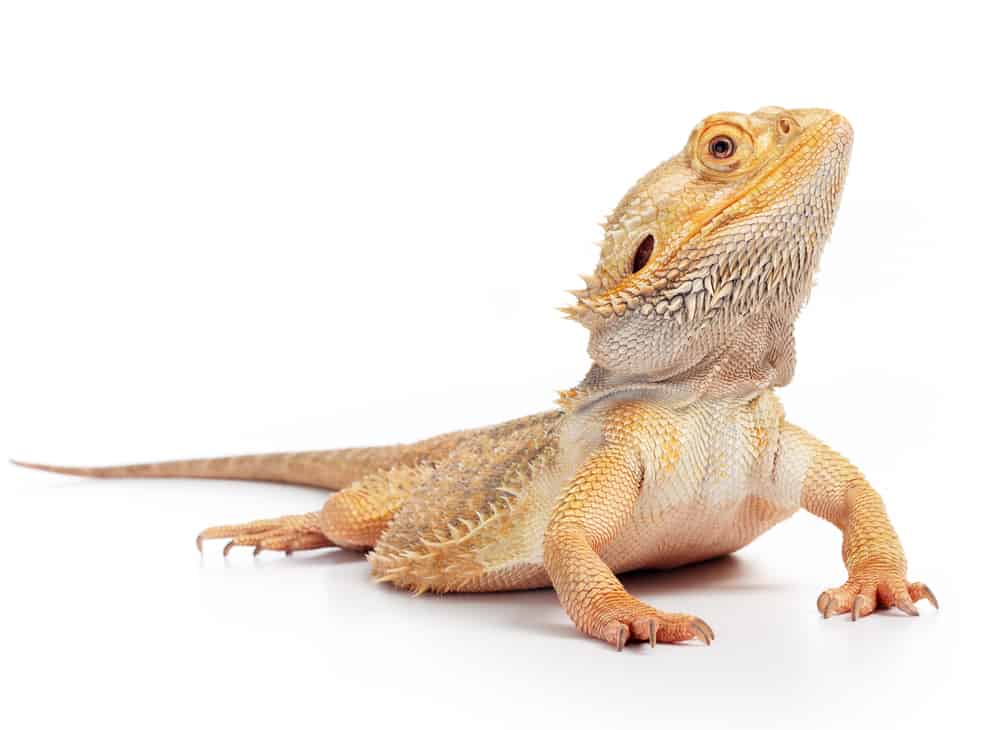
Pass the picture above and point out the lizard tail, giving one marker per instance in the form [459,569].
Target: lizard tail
[327,469]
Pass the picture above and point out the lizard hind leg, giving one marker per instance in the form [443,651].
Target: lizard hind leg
[356,517]
[351,519]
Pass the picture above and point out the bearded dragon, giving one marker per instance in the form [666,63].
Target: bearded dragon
[673,449]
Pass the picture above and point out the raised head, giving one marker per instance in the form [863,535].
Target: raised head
[716,249]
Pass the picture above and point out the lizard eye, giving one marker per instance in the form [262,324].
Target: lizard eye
[642,254]
[722,147]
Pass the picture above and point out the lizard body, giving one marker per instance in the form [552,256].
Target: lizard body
[673,449]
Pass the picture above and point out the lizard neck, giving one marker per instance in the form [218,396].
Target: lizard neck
[759,357]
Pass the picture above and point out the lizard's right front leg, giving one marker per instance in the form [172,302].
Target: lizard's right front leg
[590,512]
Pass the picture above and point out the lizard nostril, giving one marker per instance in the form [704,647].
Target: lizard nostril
[785,125]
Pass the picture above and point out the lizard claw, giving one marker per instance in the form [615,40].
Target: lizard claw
[825,604]
[622,637]
[867,591]
[857,607]
[704,631]
[919,591]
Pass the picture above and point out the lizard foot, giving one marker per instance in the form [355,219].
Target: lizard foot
[292,533]
[866,591]
[618,619]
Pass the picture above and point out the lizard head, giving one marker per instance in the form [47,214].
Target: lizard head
[723,237]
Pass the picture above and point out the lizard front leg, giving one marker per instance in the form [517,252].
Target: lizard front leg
[589,513]
[834,489]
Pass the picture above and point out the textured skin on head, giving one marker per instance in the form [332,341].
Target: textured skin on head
[735,249]
[674,447]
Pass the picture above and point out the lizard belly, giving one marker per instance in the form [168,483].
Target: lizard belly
[690,534]
[708,492]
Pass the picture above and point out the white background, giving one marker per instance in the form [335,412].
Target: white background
[238,227]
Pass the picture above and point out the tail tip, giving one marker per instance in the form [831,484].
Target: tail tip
[40,467]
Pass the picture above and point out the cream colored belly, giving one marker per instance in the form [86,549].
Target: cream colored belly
[710,494]
[661,534]
[692,533]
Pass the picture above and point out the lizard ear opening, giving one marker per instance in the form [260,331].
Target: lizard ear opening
[642,253]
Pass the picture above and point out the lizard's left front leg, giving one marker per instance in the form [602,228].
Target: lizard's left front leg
[834,489]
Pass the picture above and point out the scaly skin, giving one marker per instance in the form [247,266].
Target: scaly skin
[673,449]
